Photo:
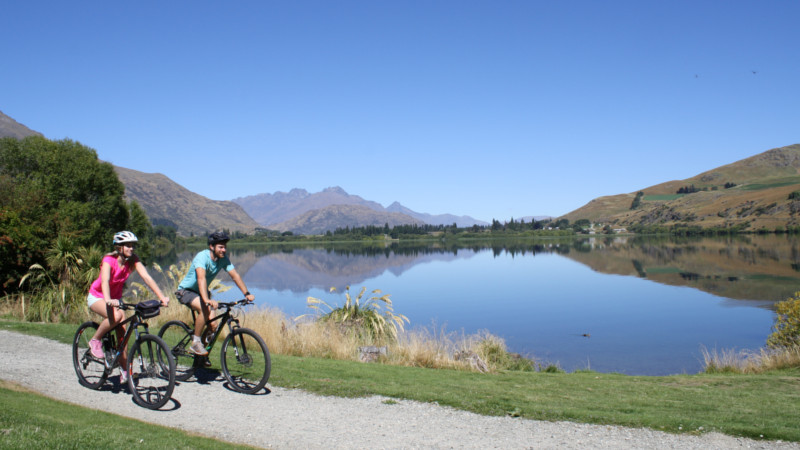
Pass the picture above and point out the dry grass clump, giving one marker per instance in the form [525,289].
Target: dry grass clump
[430,348]
[424,347]
[751,362]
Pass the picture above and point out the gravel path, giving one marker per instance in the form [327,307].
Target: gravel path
[285,418]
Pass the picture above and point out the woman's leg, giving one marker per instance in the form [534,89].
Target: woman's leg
[103,310]
[112,316]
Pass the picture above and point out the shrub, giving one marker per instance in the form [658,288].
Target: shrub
[372,318]
[492,349]
[786,330]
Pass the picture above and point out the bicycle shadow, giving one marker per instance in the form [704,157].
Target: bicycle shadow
[264,391]
[206,376]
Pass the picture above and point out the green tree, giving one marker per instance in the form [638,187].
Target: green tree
[637,200]
[50,189]
[140,225]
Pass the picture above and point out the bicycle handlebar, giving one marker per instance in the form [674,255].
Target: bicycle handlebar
[230,305]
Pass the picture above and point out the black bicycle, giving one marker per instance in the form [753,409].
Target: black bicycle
[151,367]
[244,356]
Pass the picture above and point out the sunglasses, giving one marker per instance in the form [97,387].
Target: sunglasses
[129,244]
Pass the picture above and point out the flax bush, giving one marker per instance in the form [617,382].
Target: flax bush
[372,318]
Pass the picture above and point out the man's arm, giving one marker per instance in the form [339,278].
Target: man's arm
[240,284]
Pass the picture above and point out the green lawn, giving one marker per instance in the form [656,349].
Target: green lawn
[780,182]
[29,420]
[661,198]
[765,405]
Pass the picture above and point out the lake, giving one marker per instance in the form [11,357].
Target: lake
[634,305]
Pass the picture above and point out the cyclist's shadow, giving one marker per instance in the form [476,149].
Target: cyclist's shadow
[208,375]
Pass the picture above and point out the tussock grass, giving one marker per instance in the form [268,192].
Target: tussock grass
[420,347]
[750,361]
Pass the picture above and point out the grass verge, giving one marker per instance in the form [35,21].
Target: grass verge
[760,406]
[30,420]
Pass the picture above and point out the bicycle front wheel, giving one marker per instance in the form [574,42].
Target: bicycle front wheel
[91,371]
[151,372]
[178,338]
[245,361]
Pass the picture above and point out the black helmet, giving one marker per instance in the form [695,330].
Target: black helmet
[218,237]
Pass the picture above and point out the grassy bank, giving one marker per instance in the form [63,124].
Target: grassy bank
[760,406]
[30,420]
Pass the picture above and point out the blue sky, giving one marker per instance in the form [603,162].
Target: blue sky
[494,109]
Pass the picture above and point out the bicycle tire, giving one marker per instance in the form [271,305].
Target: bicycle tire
[178,337]
[245,361]
[151,371]
[91,371]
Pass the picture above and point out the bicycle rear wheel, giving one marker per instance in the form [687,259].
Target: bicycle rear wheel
[91,371]
[151,372]
[178,338]
[245,361]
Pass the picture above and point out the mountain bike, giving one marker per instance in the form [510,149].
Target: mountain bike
[151,367]
[244,356]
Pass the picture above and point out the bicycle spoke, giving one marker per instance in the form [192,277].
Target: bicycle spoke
[245,361]
[178,339]
[91,371]
[151,376]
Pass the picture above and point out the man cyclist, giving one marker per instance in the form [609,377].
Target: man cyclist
[193,289]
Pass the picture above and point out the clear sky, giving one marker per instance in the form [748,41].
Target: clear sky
[494,109]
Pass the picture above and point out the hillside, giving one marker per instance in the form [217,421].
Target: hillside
[11,128]
[319,221]
[168,203]
[759,196]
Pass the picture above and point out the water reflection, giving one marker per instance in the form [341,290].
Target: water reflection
[756,268]
[649,304]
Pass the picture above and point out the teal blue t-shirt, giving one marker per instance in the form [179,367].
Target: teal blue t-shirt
[203,260]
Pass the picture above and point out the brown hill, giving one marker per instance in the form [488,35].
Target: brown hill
[319,221]
[169,203]
[11,128]
[757,193]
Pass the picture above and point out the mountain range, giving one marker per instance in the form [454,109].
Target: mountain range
[280,210]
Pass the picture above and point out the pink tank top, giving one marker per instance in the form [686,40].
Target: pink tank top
[117,278]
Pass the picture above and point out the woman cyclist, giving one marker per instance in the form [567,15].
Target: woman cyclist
[106,292]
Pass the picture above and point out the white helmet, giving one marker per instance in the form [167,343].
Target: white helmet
[123,237]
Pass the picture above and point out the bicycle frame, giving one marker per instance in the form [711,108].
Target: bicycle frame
[119,346]
[226,318]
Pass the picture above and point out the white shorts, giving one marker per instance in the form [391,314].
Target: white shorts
[91,299]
